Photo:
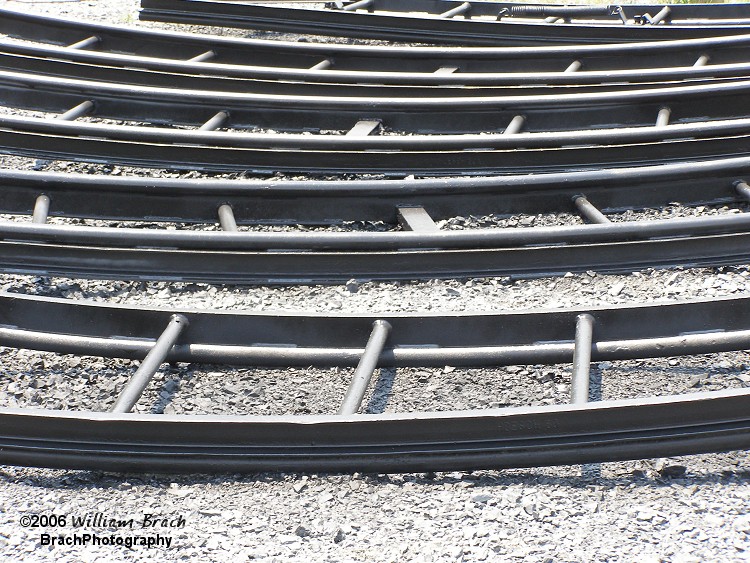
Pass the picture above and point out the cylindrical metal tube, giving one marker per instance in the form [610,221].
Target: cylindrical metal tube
[358,5]
[150,364]
[203,57]
[458,10]
[367,364]
[226,218]
[579,387]
[661,15]
[215,122]
[662,120]
[702,61]
[41,210]
[742,189]
[84,108]
[322,65]
[515,125]
[588,211]
[85,43]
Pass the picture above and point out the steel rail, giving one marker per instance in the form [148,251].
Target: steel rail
[279,257]
[124,198]
[526,436]
[454,114]
[149,71]
[182,47]
[416,27]
[615,12]
[393,155]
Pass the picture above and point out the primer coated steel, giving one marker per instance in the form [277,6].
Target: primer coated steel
[315,257]
[129,198]
[420,27]
[593,72]
[456,114]
[239,57]
[417,441]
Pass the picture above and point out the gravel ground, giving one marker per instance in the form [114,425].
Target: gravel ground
[693,508]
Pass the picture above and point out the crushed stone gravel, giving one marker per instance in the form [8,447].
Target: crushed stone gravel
[686,509]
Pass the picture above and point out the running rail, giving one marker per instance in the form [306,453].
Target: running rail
[561,111]
[421,27]
[65,62]
[232,256]
[160,147]
[198,53]
[293,202]
[580,432]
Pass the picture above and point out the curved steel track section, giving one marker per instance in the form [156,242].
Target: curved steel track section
[279,257]
[457,114]
[419,27]
[705,14]
[390,154]
[419,441]
[123,198]
[148,71]
[234,54]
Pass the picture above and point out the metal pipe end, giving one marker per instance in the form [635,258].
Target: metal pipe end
[180,319]
[382,324]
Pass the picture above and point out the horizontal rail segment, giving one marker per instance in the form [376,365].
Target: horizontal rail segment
[407,27]
[390,154]
[527,436]
[124,198]
[445,115]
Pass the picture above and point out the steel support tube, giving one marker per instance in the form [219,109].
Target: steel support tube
[588,211]
[41,210]
[365,368]
[579,387]
[82,109]
[742,189]
[215,122]
[662,119]
[462,9]
[226,218]
[150,365]
[85,43]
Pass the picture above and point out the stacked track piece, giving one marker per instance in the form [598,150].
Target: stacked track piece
[606,109]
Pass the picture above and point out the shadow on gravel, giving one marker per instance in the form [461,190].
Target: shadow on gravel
[638,474]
